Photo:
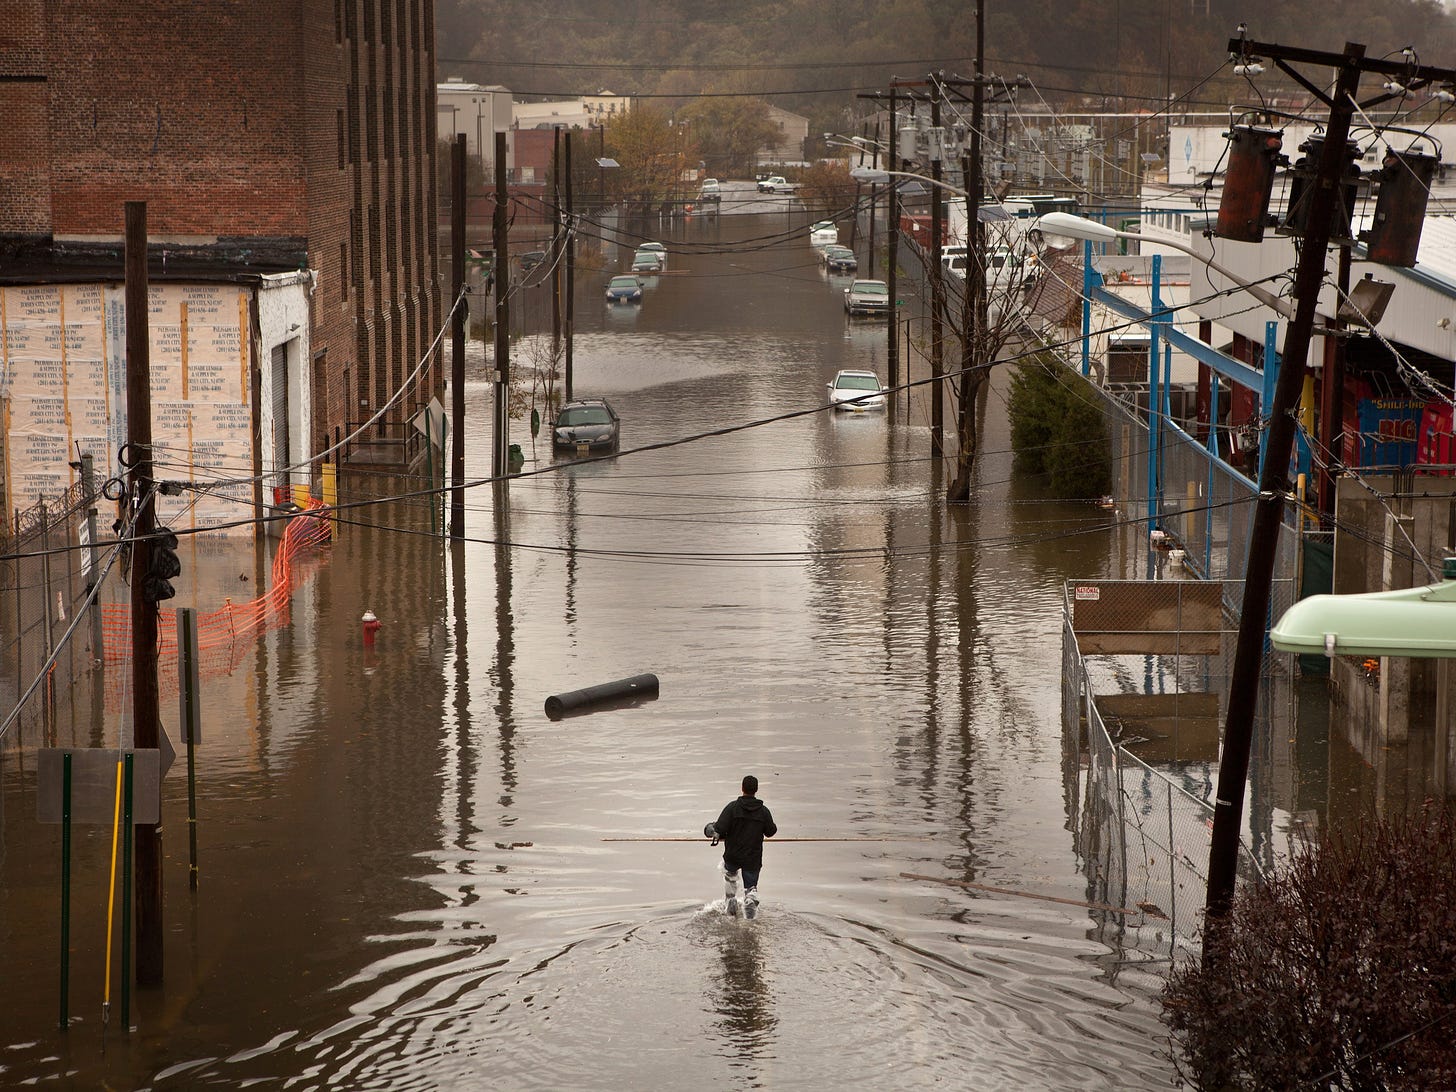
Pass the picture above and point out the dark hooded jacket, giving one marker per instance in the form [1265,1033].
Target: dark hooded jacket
[743,826]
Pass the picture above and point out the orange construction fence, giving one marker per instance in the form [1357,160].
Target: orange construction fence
[224,635]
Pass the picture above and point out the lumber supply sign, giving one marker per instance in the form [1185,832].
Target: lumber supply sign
[63,392]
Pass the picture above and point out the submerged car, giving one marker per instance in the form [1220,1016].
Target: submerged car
[624,289]
[840,259]
[856,391]
[647,261]
[586,426]
[823,233]
[867,298]
[655,248]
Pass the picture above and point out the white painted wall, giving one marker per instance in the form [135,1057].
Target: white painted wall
[283,320]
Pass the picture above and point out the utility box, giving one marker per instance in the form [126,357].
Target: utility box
[1243,211]
[1301,192]
[1400,208]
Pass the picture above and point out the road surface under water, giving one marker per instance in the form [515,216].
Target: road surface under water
[411,878]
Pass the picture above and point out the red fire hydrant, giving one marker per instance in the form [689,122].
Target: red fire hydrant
[371,627]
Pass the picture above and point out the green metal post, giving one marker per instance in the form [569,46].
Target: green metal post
[126,894]
[430,472]
[65,890]
[190,699]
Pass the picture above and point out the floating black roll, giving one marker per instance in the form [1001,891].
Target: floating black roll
[622,691]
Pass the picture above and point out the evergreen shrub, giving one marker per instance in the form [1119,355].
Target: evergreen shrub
[1057,429]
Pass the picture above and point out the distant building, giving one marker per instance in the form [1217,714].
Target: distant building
[605,104]
[479,111]
[581,113]
[791,148]
[286,153]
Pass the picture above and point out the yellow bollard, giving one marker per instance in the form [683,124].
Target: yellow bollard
[111,900]
[331,495]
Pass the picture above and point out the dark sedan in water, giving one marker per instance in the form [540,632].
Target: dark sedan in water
[624,289]
[588,426]
[840,259]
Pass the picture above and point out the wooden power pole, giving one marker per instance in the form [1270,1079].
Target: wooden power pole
[500,439]
[457,338]
[1248,663]
[146,719]
[937,287]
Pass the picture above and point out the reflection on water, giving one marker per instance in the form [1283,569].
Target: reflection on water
[407,880]
[741,994]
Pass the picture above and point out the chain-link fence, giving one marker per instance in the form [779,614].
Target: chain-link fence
[43,586]
[1143,836]
[1202,505]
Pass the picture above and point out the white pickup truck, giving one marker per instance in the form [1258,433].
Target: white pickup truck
[776,184]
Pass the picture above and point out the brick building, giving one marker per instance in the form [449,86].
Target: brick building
[285,147]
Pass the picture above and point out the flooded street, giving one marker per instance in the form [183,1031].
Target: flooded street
[411,878]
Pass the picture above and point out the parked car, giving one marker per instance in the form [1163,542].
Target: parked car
[823,233]
[531,259]
[867,298]
[624,289]
[776,183]
[856,391]
[712,190]
[840,259]
[656,248]
[586,426]
[647,261]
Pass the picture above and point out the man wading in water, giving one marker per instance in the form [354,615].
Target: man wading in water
[742,827]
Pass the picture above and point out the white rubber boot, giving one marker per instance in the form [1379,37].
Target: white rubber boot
[750,903]
[730,892]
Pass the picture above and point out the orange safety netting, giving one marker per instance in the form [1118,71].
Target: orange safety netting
[224,635]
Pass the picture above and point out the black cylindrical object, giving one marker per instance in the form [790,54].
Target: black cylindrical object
[636,688]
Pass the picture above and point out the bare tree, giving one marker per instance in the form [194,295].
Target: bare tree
[985,297]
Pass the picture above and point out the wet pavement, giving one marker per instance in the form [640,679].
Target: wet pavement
[411,878]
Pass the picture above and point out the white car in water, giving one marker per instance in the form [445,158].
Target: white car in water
[856,391]
[867,298]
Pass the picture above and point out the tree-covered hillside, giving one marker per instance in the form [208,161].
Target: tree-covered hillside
[813,56]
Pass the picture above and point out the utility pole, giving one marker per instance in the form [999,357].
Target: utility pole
[875,208]
[1325,192]
[1233,768]
[457,338]
[937,286]
[500,440]
[570,267]
[145,717]
[892,248]
[555,242]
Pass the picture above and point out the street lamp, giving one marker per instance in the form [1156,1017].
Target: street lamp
[1408,622]
[1079,227]
[856,144]
[873,174]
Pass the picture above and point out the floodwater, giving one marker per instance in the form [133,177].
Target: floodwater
[411,878]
